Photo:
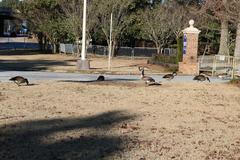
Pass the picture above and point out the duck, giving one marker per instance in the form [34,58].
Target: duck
[170,76]
[201,78]
[101,78]
[148,80]
[19,80]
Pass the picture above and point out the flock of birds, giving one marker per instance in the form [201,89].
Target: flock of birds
[150,81]
[19,80]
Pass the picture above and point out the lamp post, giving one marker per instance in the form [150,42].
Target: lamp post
[83,63]
[110,44]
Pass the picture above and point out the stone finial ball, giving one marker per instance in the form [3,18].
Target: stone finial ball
[191,22]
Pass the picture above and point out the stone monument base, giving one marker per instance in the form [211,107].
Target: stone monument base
[83,64]
[189,68]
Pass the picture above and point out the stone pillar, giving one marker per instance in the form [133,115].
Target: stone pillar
[190,64]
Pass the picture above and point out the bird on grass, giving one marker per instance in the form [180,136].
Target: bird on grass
[201,78]
[170,76]
[148,80]
[19,80]
[101,78]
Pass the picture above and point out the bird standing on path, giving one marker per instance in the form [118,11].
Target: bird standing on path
[201,78]
[148,80]
[170,76]
[19,80]
[226,74]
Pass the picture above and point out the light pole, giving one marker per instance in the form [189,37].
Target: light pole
[83,54]
[83,63]
[110,44]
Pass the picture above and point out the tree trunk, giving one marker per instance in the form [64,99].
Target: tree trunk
[40,40]
[114,44]
[158,50]
[54,50]
[158,47]
[45,43]
[223,49]
[237,44]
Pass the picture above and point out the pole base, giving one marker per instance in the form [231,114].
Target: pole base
[83,64]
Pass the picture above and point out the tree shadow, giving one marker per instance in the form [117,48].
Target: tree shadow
[21,52]
[105,81]
[121,66]
[29,65]
[37,140]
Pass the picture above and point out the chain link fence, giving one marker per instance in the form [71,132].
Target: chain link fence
[121,51]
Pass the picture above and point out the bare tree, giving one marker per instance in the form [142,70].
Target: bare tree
[73,11]
[217,9]
[234,16]
[179,18]
[156,25]
[120,11]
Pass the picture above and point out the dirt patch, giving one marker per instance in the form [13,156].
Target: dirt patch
[119,120]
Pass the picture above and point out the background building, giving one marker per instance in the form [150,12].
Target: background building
[10,25]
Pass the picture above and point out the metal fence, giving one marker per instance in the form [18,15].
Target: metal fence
[68,48]
[220,64]
[121,51]
[206,63]
[236,66]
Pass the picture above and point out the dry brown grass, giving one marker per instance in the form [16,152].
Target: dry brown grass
[119,120]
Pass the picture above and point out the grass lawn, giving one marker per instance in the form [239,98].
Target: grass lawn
[119,120]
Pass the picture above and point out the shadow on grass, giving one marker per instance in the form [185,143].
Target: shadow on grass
[25,85]
[96,81]
[20,52]
[122,66]
[29,65]
[38,140]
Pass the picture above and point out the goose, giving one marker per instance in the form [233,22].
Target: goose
[201,78]
[237,76]
[170,76]
[18,80]
[146,79]
[225,75]
[101,78]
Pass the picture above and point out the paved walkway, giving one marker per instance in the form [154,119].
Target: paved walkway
[39,76]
